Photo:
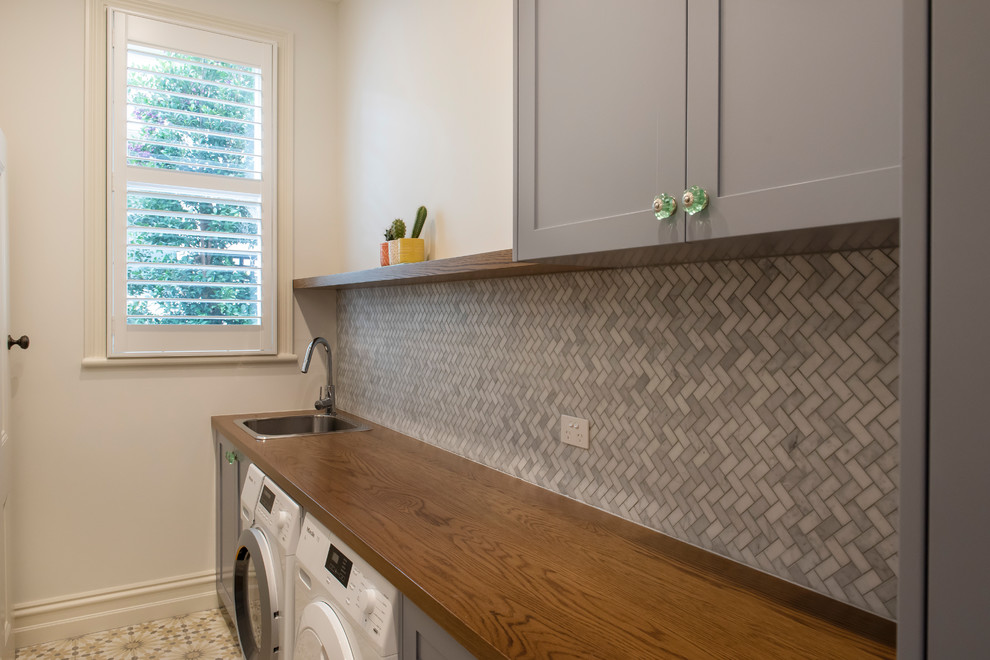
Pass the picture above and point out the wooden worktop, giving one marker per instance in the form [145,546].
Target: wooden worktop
[513,570]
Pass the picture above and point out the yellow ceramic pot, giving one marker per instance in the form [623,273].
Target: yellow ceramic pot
[408,251]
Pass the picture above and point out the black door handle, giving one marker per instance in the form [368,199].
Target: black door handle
[23,342]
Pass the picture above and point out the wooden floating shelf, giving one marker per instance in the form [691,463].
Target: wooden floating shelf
[487,265]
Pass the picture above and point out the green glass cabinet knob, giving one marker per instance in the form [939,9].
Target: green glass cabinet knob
[695,199]
[231,457]
[664,206]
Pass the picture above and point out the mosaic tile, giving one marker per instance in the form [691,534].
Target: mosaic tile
[208,635]
[748,407]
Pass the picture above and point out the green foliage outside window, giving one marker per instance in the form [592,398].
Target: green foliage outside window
[196,254]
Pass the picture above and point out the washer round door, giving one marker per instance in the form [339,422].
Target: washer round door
[321,635]
[257,585]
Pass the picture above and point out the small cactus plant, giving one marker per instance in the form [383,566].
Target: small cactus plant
[388,234]
[398,229]
[420,221]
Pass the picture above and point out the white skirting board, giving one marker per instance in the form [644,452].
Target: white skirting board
[69,616]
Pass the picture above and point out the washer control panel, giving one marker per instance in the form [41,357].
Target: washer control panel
[355,589]
[278,514]
[339,565]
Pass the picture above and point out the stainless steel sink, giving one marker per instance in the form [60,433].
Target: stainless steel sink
[295,425]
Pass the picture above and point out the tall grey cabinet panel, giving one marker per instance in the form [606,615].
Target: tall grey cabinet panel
[793,114]
[600,123]
[913,339]
[423,639]
[959,443]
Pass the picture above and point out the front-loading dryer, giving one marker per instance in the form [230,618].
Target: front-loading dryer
[345,609]
[264,568]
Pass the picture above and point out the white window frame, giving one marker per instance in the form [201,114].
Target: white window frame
[97,331]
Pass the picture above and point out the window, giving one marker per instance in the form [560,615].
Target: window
[191,208]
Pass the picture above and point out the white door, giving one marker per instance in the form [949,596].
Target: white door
[6,611]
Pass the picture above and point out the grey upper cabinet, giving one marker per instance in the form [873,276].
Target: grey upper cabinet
[786,113]
[793,113]
[600,123]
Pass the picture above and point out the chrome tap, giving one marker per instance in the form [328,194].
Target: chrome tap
[324,402]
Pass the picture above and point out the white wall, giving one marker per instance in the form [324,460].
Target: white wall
[426,118]
[114,467]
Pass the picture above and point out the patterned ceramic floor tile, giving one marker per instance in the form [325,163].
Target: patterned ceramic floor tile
[205,635]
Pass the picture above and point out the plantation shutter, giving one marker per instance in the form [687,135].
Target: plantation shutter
[191,236]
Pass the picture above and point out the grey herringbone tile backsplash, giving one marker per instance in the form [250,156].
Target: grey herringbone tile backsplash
[748,407]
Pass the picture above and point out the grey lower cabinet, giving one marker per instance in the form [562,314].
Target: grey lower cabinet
[786,113]
[231,469]
[423,639]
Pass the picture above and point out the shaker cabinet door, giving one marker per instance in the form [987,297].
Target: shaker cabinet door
[601,90]
[232,467]
[793,114]
[227,518]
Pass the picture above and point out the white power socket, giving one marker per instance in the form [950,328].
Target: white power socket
[574,431]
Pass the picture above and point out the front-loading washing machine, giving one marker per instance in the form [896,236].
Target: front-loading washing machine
[345,609]
[264,567]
